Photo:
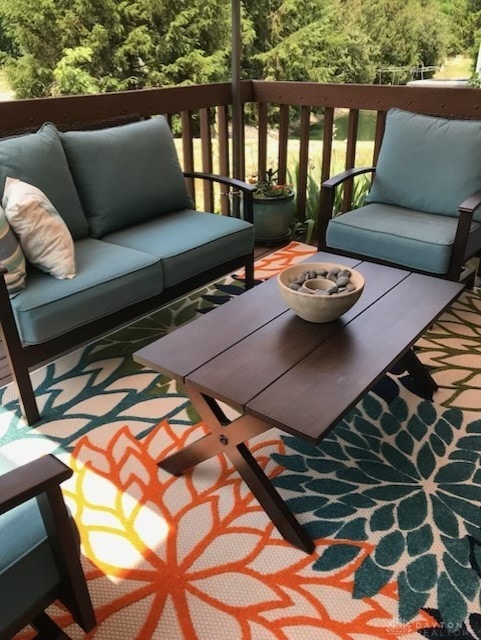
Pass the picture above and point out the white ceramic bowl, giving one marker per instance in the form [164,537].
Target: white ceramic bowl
[318,308]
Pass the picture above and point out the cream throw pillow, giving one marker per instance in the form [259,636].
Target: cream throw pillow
[43,235]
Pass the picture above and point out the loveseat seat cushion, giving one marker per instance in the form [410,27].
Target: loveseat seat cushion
[126,174]
[109,278]
[39,159]
[27,567]
[188,242]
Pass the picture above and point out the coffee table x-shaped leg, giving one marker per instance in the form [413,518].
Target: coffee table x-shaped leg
[228,437]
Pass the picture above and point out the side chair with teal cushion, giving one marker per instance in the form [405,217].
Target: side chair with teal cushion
[39,550]
[422,210]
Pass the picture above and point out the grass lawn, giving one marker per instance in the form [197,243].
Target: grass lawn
[455,68]
[4,86]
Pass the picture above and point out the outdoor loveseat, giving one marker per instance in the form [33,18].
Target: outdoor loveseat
[137,242]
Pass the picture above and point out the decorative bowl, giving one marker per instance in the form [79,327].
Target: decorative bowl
[311,300]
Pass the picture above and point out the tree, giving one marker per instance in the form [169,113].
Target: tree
[76,46]
[105,45]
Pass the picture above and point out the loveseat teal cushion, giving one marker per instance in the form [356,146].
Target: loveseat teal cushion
[109,278]
[126,174]
[39,159]
[188,242]
[427,163]
[27,567]
[413,239]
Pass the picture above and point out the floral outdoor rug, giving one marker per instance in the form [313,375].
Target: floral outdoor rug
[392,497]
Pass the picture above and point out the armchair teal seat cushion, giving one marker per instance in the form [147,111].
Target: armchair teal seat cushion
[414,239]
[427,167]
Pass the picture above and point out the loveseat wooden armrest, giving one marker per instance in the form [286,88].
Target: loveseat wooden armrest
[246,189]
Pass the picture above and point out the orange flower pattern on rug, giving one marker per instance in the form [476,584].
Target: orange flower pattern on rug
[195,557]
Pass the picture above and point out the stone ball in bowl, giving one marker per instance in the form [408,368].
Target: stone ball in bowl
[320,291]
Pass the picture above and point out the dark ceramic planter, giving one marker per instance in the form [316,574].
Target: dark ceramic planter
[273,218]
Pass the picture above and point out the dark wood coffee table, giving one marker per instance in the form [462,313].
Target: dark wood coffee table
[256,355]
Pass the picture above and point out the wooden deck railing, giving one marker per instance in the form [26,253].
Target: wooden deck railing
[201,115]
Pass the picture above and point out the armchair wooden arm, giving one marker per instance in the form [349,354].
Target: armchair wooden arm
[31,480]
[41,479]
[466,210]
[246,188]
[326,203]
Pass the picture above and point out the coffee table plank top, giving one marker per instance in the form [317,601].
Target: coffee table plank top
[190,346]
[315,394]
[276,347]
[257,355]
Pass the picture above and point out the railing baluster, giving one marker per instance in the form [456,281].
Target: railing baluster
[352,127]
[243,143]
[262,143]
[380,125]
[188,149]
[206,142]
[283,141]
[303,163]
[223,145]
[327,143]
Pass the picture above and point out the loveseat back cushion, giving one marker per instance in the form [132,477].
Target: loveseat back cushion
[126,174]
[428,163]
[39,159]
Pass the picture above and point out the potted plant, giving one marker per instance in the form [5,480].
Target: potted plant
[274,208]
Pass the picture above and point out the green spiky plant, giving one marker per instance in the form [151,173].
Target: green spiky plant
[305,229]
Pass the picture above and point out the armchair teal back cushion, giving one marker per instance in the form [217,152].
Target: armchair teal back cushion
[126,174]
[428,163]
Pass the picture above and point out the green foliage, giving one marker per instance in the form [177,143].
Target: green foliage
[55,47]
[269,187]
[306,229]
[80,46]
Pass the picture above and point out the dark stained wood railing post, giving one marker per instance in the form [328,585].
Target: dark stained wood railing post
[188,149]
[262,141]
[303,163]
[283,143]
[223,150]
[350,163]
[206,143]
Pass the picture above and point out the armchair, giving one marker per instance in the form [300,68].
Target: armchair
[39,559]
[422,211]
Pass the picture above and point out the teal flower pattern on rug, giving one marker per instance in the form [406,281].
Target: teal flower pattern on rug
[406,479]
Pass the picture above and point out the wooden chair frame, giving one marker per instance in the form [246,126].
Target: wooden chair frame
[41,479]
